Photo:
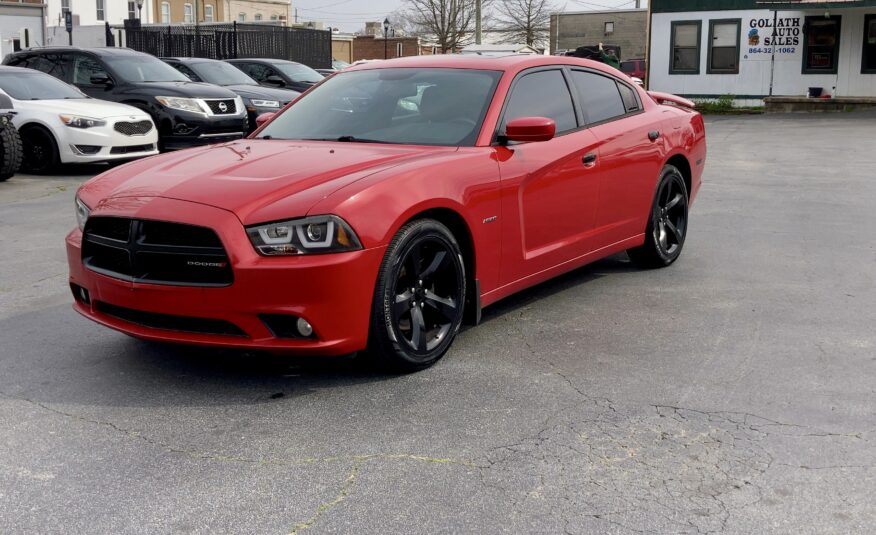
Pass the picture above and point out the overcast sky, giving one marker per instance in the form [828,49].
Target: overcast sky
[351,15]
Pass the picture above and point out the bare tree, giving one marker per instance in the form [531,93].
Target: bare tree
[450,23]
[525,21]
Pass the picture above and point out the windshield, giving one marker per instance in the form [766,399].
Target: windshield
[299,73]
[402,105]
[221,73]
[36,86]
[143,68]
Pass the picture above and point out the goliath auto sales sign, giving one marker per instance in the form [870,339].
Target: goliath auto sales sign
[764,34]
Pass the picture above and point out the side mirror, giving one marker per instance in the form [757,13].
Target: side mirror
[275,80]
[265,117]
[530,129]
[100,78]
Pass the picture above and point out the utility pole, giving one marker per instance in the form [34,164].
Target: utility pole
[478,33]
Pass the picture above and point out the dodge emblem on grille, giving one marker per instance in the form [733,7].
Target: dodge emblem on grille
[223,107]
[207,264]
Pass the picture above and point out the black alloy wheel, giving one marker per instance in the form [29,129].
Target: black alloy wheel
[667,224]
[419,298]
[40,151]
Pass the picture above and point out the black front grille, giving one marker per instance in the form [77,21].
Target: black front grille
[137,128]
[216,106]
[168,322]
[155,252]
[131,149]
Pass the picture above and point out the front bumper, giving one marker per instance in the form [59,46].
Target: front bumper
[180,130]
[333,292]
[77,145]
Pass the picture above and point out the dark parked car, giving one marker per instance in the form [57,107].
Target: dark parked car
[634,68]
[278,73]
[256,98]
[186,113]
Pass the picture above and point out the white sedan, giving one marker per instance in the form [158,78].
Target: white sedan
[60,124]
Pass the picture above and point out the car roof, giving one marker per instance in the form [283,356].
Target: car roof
[493,62]
[20,70]
[263,60]
[189,59]
[99,51]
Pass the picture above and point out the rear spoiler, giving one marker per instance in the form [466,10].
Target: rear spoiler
[666,98]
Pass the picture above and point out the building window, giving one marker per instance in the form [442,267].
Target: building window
[609,28]
[258,16]
[723,46]
[100,13]
[273,17]
[868,57]
[684,47]
[241,17]
[188,14]
[208,13]
[132,10]
[821,44]
[65,6]
[399,50]
[165,13]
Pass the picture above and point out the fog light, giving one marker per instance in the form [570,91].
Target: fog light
[304,328]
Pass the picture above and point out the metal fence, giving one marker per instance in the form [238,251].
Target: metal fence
[233,40]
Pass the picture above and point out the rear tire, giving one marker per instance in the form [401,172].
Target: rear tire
[40,151]
[667,223]
[10,151]
[419,298]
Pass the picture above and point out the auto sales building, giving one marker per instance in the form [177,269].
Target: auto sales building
[753,49]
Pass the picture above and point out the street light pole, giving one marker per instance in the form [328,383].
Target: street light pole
[140,10]
[386,38]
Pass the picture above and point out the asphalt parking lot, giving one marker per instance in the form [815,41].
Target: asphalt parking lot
[733,392]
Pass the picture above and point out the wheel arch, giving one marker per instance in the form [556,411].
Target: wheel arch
[453,219]
[681,162]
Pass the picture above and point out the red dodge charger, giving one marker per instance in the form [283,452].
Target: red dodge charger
[387,205]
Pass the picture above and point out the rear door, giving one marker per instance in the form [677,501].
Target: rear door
[550,189]
[629,157]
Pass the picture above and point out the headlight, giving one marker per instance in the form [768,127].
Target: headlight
[183,104]
[265,103]
[82,213]
[77,121]
[318,234]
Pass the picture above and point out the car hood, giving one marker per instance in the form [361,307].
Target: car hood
[88,107]
[247,176]
[264,93]
[186,89]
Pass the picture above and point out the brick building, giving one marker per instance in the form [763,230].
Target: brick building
[625,28]
[374,47]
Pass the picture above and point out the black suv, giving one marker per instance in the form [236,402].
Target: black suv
[257,99]
[186,113]
[278,73]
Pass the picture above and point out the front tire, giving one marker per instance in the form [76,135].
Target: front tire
[419,297]
[40,151]
[667,223]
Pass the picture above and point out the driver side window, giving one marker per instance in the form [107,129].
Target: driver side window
[542,94]
[84,67]
[190,74]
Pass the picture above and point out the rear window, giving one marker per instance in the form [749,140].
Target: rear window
[628,66]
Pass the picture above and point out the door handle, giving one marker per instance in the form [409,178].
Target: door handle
[589,159]
[653,135]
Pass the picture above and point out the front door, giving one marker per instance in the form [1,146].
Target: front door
[551,188]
